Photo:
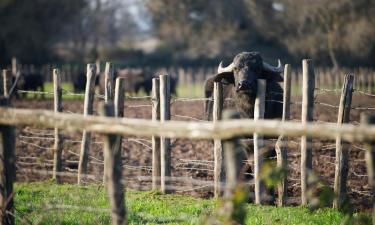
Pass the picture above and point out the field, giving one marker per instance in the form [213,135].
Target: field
[191,160]
[47,203]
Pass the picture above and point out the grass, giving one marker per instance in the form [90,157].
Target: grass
[48,87]
[47,203]
[190,91]
[187,91]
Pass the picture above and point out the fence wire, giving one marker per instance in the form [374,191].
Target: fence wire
[182,164]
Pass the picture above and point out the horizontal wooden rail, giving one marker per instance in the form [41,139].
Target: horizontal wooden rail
[182,129]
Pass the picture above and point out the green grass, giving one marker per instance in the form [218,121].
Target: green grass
[67,88]
[47,203]
[186,91]
[190,91]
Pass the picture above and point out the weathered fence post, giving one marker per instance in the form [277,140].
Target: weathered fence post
[58,145]
[259,147]
[232,209]
[97,64]
[341,164]
[7,82]
[113,171]
[108,90]
[372,82]
[86,136]
[119,97]
[1,86]
[370,161]
[281,149]
[109,82]
[14,66]
[308,86]
[7,170]
[233,158]
[165,150]
[156,164]
[219,170]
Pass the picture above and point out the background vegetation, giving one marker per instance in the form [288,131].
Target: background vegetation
[187,32]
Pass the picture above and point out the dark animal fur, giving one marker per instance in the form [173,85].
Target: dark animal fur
[248,66]
[30,82]
[137,80]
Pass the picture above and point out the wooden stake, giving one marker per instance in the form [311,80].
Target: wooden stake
[233,159]
[165,150]
[7,82]
[219,170]
[281,149]
[7,170]
[156,164]
[58,146]
[342,148]
[109,82]
[14,66]
[113,172]
[308,87]
[259,146]
[88,110]
[370,161]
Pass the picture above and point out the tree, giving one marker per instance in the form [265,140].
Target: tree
[199,27]
[99,28]
[340,30]
[31,28]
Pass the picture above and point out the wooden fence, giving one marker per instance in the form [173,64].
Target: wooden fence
[161,131]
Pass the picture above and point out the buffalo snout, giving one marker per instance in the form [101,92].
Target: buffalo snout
[243,85]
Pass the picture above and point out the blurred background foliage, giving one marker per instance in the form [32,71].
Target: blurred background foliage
[334,33]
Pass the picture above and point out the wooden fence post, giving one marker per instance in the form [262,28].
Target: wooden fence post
[7,170]
[232,209]
[156,164]
[219,170]
[58,146]
[308,86]
[119,97]
[7,82]
[109,82]
[233,158]
[342,148]
[86,136]
[370,161]
[97,64]
[14,66]
[113,171]
[281,149]
[1,86]
[372,82]
[108,90]
[259,147]
[165,150]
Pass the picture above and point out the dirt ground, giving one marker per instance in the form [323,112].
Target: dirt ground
[192,161]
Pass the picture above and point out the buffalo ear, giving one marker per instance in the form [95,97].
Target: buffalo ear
[276,77]
[225,78]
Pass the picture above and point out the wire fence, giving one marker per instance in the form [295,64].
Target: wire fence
[194,168]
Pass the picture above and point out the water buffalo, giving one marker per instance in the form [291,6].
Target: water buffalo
[240,83]
[79,81]
[33,81]
[239,80]
[141,79]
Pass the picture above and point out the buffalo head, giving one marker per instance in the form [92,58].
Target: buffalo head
[244,71]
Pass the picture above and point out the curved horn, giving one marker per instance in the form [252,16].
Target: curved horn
[227,69]
[269,68]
